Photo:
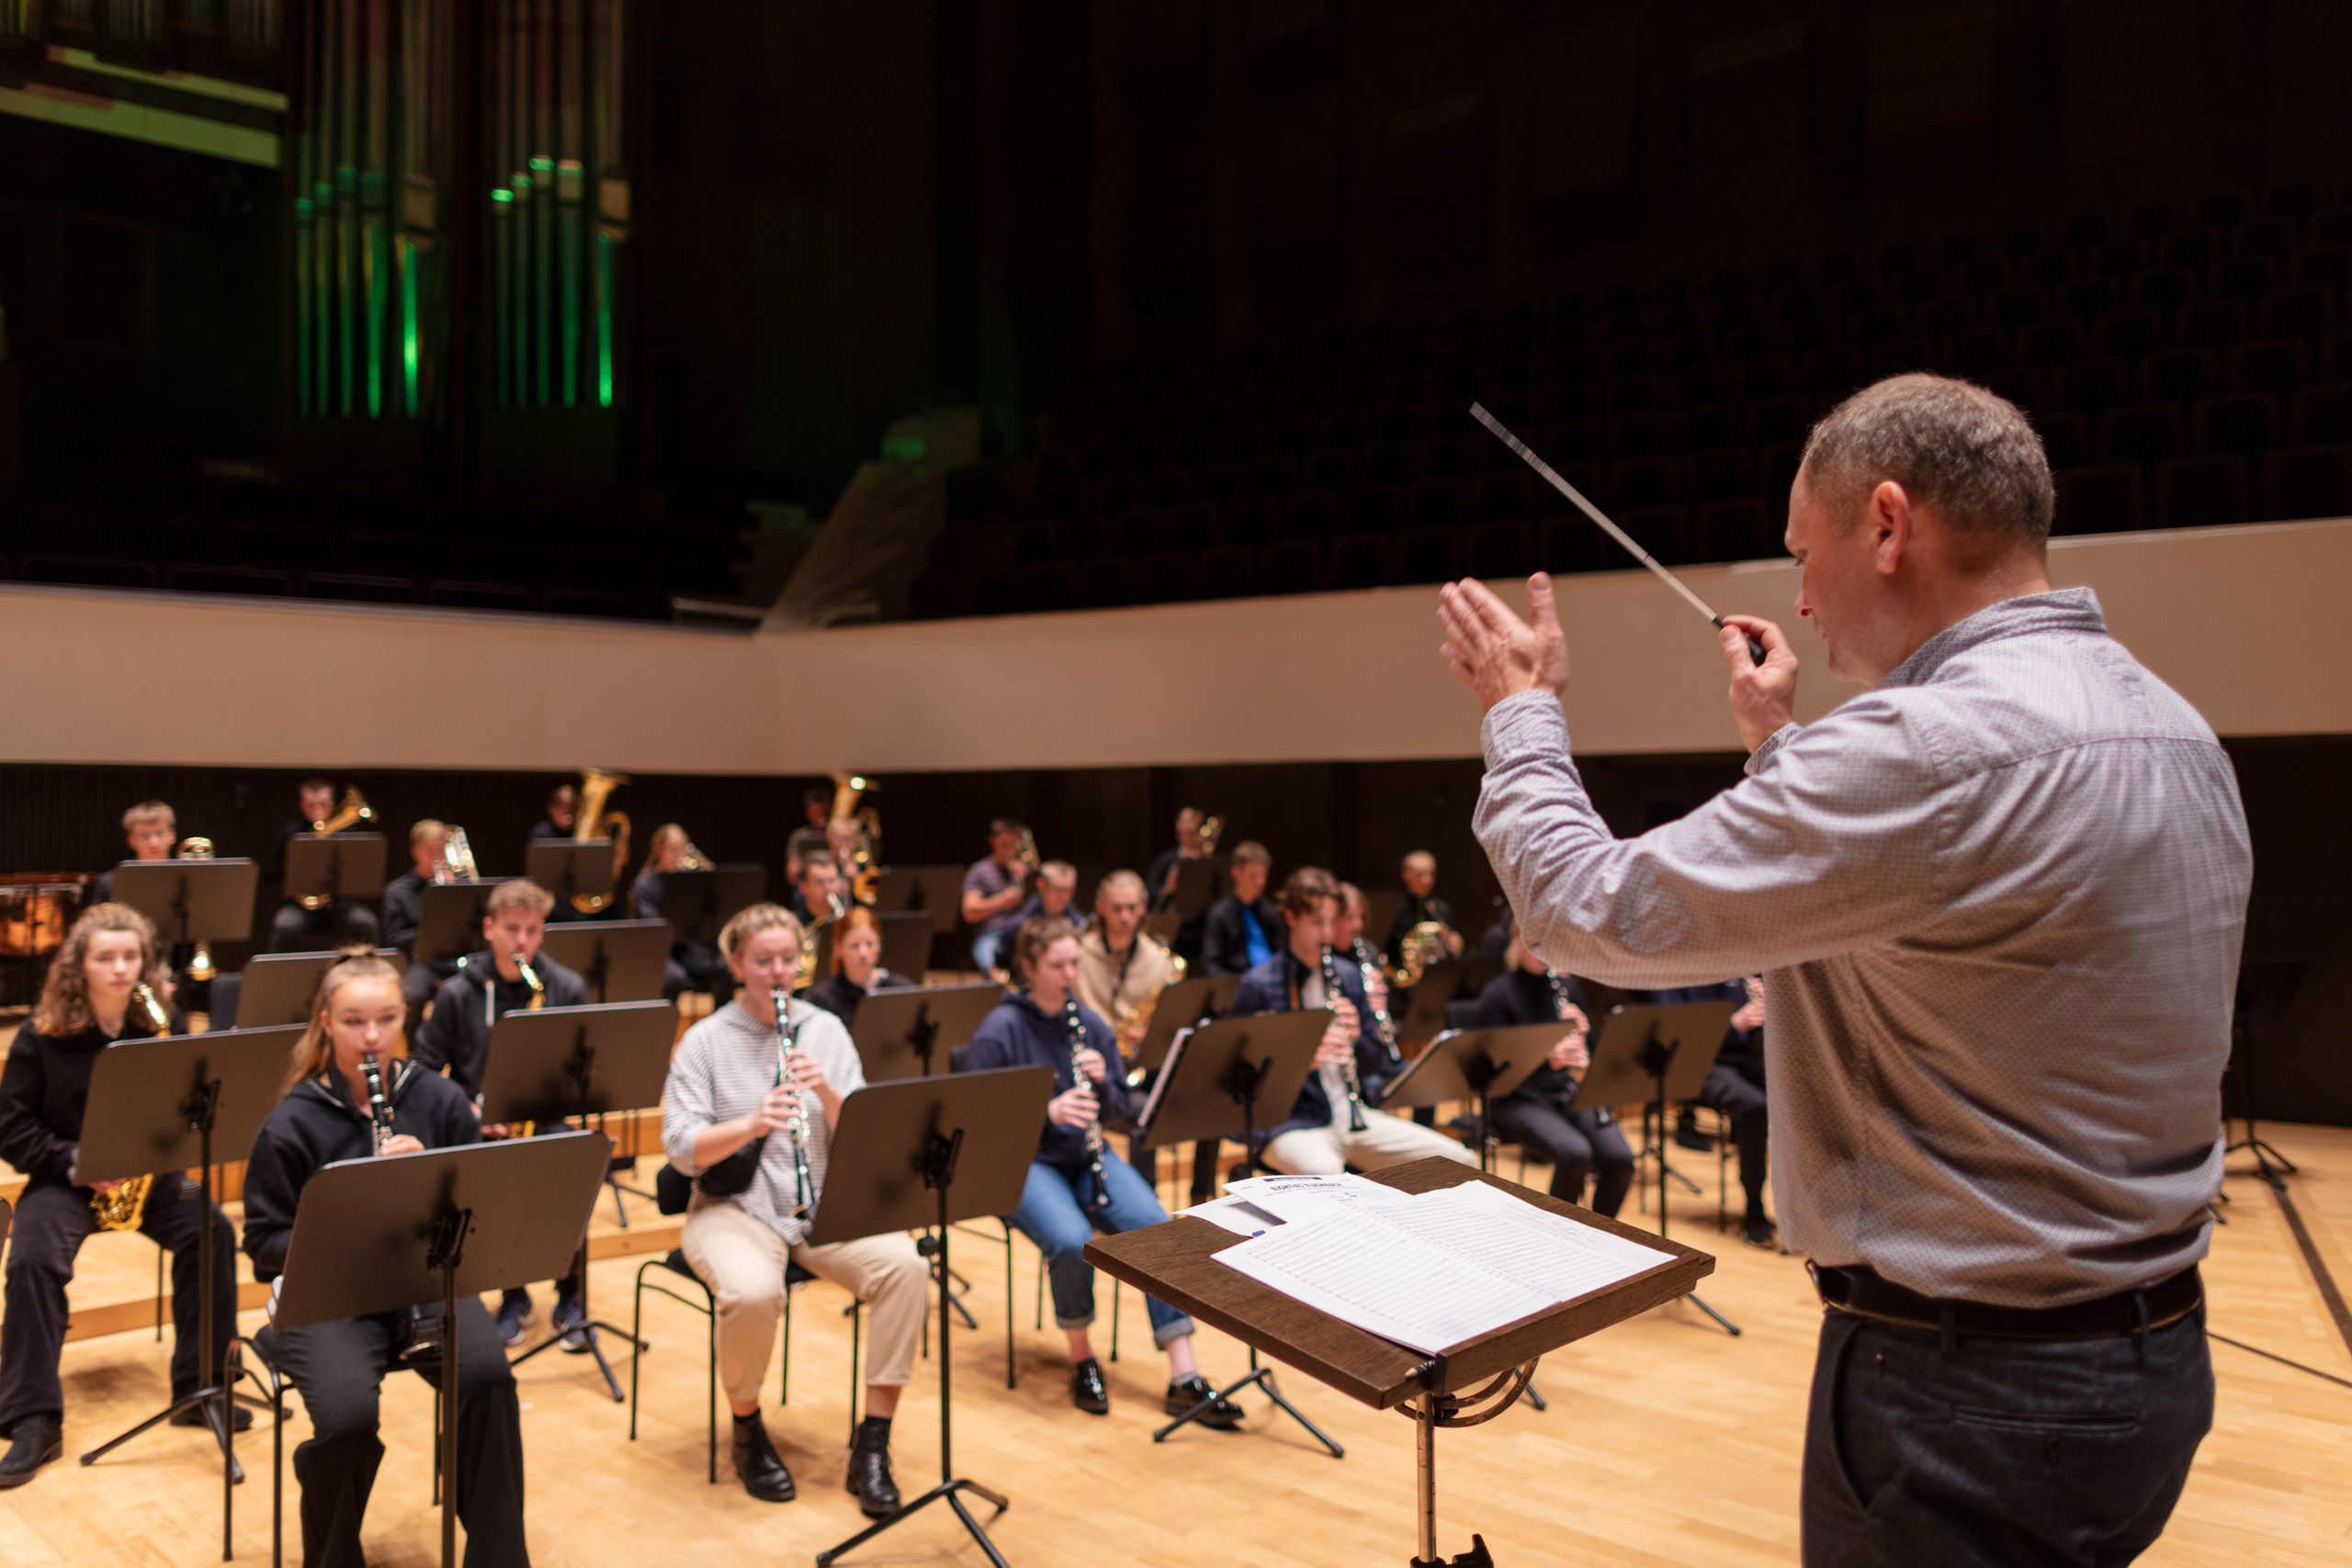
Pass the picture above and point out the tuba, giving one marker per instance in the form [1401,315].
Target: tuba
[864,869]
[122,1209]
[201,966]
[593,821]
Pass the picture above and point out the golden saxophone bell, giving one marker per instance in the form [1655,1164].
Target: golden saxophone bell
[124,1208]
[354,810]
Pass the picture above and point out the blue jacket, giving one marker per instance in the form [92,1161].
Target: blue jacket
[1018,1035]
[1269,988]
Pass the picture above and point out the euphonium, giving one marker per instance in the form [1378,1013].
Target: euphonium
[122,1209]
[201,966]
[1335,999]
[456,860]
[1098,1185]
[593,821]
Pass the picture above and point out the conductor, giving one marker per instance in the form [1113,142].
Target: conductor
[1997,899]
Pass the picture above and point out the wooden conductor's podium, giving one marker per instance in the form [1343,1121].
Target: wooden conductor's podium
[1473,1381]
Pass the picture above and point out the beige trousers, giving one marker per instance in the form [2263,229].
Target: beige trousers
[1387,1140]
[741,1259]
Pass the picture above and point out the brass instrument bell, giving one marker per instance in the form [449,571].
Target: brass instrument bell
[201,966]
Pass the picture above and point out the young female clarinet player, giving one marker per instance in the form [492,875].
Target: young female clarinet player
[102,987]
[1078,1184]
[352,1093]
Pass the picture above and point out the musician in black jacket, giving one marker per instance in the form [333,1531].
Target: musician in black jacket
[857,967]
[428,843]
[456,1036]
[563,810]
[1160,880]
[1735,1086]
[338,1367]
[1579,1144]
[342,922]
[150,829]
[88,1001]
[1244,928]
[693,966]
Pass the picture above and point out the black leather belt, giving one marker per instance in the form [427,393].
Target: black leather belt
[1859,1291]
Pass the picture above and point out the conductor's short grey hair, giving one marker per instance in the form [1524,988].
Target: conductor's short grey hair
[1968,454]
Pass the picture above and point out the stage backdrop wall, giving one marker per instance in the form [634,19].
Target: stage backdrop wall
[2248,622]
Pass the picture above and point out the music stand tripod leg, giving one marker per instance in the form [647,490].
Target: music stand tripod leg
[1656,1059]
[1263,1378]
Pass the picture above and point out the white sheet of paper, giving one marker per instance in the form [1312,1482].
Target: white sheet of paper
[1236,1214]
[1534,1256]
[1355,1264]
[1297,1198]
[1632,1254]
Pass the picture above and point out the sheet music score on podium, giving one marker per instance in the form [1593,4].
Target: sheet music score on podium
[1470,1381]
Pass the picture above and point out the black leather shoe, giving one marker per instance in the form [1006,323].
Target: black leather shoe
[1086,1389]
[39,1439]
[870,1472]
[1756,1232]
[1222,1413]
[200,1414]
[757,1463]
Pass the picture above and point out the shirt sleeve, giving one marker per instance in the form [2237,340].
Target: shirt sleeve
[436,1041]
[275,1172]
[1827,846]
[687,1103]
[991,1047]
[26,1141]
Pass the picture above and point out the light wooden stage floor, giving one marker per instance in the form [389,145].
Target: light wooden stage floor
[1667,1443]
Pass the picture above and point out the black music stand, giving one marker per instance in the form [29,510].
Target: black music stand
[449,919]
[1187,1004]
[1657,1052]
[620,960]
[570,868]
[1424,1018]
[907,1033]
[698,904]
[937,890]
[156,1108]
[906,943]
[277,989]
[1215,1085]
[381,1234]
[587,1061]
[929,1152]
[1199,884]
[1484,1065]
[332,866]
[191,900]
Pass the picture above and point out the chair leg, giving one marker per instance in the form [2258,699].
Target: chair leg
[784,1373]
[1114,1321]
[1011,1369]
[710,1390]
[159,1295]
[856,1325]
[636,1347]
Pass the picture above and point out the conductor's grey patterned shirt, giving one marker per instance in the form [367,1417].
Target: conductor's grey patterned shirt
[1998,902]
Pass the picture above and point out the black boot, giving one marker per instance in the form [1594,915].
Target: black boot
[757,1464]
[869,1470]
[1086,1389]
[38,1440]
[1186,1392]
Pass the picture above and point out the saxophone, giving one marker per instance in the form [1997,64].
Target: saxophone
[1336,999]
[804,1190]
[201,966]
[126,1206]
[1098,1186]
[1131,1024]
[531,979]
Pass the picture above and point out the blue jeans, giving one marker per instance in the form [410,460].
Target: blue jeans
[988,947]
[2019,1453]
[1050,1216]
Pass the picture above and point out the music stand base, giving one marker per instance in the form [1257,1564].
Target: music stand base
[596,1347]
[946,1491]
[2268,1164]
[208,1397]
[1262,1377]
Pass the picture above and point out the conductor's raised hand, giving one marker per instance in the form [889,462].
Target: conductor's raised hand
[1072,1107]
[1763,696]
[1494,653]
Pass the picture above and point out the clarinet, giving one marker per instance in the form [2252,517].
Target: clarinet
[379,1112]
[803,1194]
[1560,1005]
[1097,1185]
[1336,999]
[1368,966]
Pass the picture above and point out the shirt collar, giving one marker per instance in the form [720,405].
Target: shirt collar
[2060,610]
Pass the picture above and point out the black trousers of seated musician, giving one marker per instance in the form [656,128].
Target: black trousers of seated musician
[53,1222]
[1580,1144]
[342,923]
[1741,1097]
[339,1367]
